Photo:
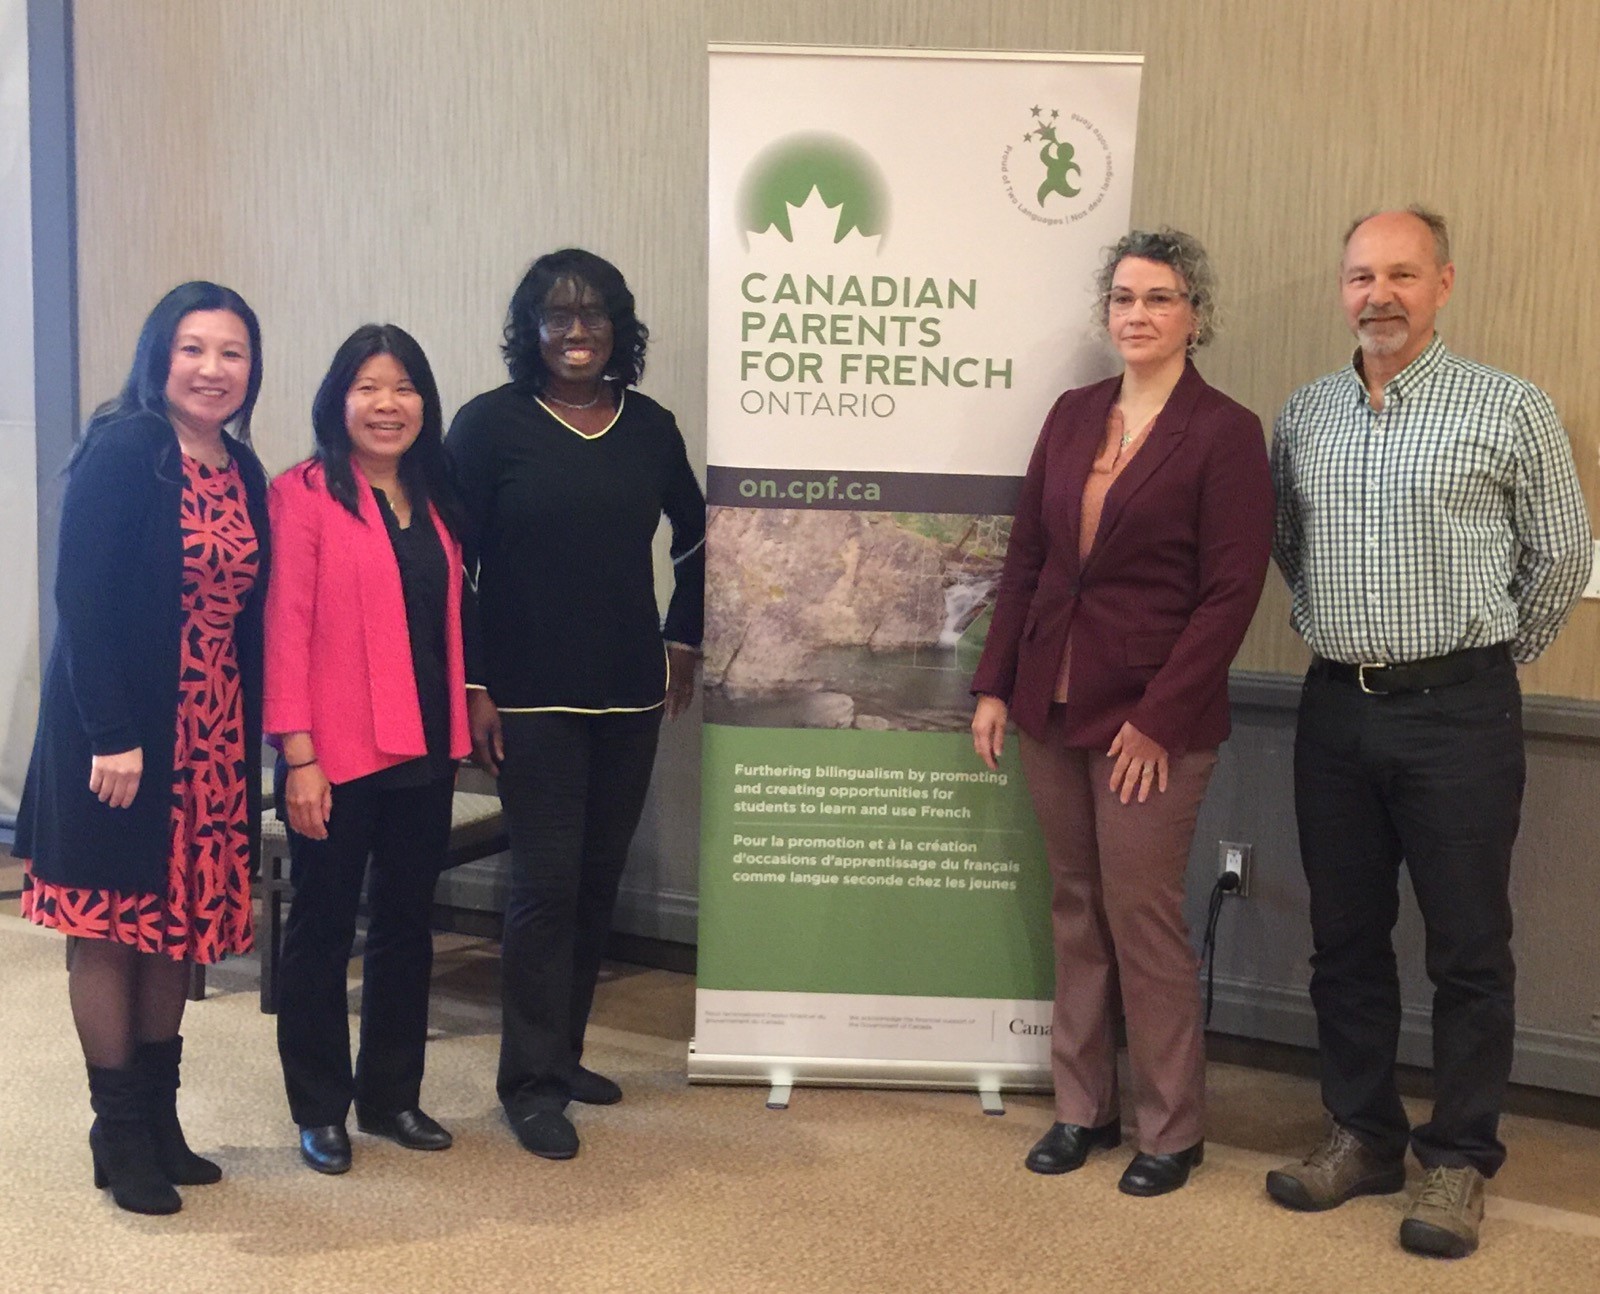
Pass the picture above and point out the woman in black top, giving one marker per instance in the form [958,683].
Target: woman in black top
[565,473]
[366,699]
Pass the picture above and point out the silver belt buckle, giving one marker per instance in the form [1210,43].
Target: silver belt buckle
[1361,676]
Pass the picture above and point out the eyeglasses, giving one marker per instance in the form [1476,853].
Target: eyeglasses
[1157,301]
[561,321]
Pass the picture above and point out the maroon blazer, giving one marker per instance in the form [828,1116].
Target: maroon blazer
[1157,610]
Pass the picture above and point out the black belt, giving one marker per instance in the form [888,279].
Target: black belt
[1381,679]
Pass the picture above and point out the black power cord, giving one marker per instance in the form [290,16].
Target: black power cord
[1226,884]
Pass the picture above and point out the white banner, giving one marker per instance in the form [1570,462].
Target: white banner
[902,251]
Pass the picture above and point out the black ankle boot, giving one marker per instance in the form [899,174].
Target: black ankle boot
[156,1064]
[123,1149]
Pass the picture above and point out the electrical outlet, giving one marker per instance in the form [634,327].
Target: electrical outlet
[1233,858]
[1592,588]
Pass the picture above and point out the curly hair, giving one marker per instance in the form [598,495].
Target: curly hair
[582,270]
[1187,258]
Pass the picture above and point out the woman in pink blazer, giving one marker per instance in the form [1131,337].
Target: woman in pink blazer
[366,699]
[1137,557]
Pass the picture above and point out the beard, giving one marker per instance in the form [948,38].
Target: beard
[1383,334]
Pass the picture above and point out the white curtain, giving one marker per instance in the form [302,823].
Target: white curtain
[19,562]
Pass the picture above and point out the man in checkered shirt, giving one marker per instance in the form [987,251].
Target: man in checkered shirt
[1433,536]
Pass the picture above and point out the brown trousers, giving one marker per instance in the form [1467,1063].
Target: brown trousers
[1117,915]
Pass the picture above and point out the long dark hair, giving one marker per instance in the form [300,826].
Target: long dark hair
[145,390]
[424,469]
[582,269]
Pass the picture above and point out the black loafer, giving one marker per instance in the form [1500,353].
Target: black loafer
[1067,1145]
[326,1148]
[1158,1174]
[411,1128]
[547,1132]
[593,1089]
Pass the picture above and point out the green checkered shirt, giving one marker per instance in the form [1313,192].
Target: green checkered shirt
[1450,518]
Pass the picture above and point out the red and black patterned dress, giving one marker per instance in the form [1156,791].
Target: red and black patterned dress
[205,912]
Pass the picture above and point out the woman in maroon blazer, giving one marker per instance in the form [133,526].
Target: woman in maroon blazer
[1137,557]
[366,697]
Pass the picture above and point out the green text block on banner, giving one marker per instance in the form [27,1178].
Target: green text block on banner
[870,862]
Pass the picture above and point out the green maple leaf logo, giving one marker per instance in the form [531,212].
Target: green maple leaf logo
[842,173]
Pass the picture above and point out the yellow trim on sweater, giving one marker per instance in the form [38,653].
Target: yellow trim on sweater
[621,396]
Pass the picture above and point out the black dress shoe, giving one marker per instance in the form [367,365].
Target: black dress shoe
[1067,1145]
[547,1132]
[593,1089]
[1158,1174]
[411,1128]
[327,1149]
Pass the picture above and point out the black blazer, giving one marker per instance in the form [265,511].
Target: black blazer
[112,679]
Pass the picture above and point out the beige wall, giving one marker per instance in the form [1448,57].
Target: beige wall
[404,159]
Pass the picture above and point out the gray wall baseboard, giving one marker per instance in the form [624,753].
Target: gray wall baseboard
[669,914]
[1275,1013]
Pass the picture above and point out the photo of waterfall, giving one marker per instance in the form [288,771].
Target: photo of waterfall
[839,619]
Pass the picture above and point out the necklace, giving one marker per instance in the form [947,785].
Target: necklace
[568,404]
[1131,434]
[214,458]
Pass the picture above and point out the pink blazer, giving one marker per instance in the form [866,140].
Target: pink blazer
[1159,607]
[338,655]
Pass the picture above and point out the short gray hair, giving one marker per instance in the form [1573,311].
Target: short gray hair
[1170,247]
[1435,222]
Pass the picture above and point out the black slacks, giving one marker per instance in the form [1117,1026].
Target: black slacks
[573,787]
[1434,778]
[406,833]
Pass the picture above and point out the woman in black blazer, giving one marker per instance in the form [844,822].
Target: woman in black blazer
[140,815]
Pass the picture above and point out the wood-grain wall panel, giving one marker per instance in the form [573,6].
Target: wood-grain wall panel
[404,159]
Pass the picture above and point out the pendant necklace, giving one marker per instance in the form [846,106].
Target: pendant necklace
[1132,433]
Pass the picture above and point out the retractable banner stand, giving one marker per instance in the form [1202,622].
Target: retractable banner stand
[901,262]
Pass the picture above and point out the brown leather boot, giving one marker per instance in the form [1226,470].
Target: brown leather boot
[1341,1168]
[1443,1220]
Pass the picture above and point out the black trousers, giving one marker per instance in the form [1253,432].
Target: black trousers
[573,787]
[1434,778]
[405,832]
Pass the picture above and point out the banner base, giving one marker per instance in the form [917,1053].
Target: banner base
[987,1078]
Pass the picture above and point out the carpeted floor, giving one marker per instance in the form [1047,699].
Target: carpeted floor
[703,1189]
